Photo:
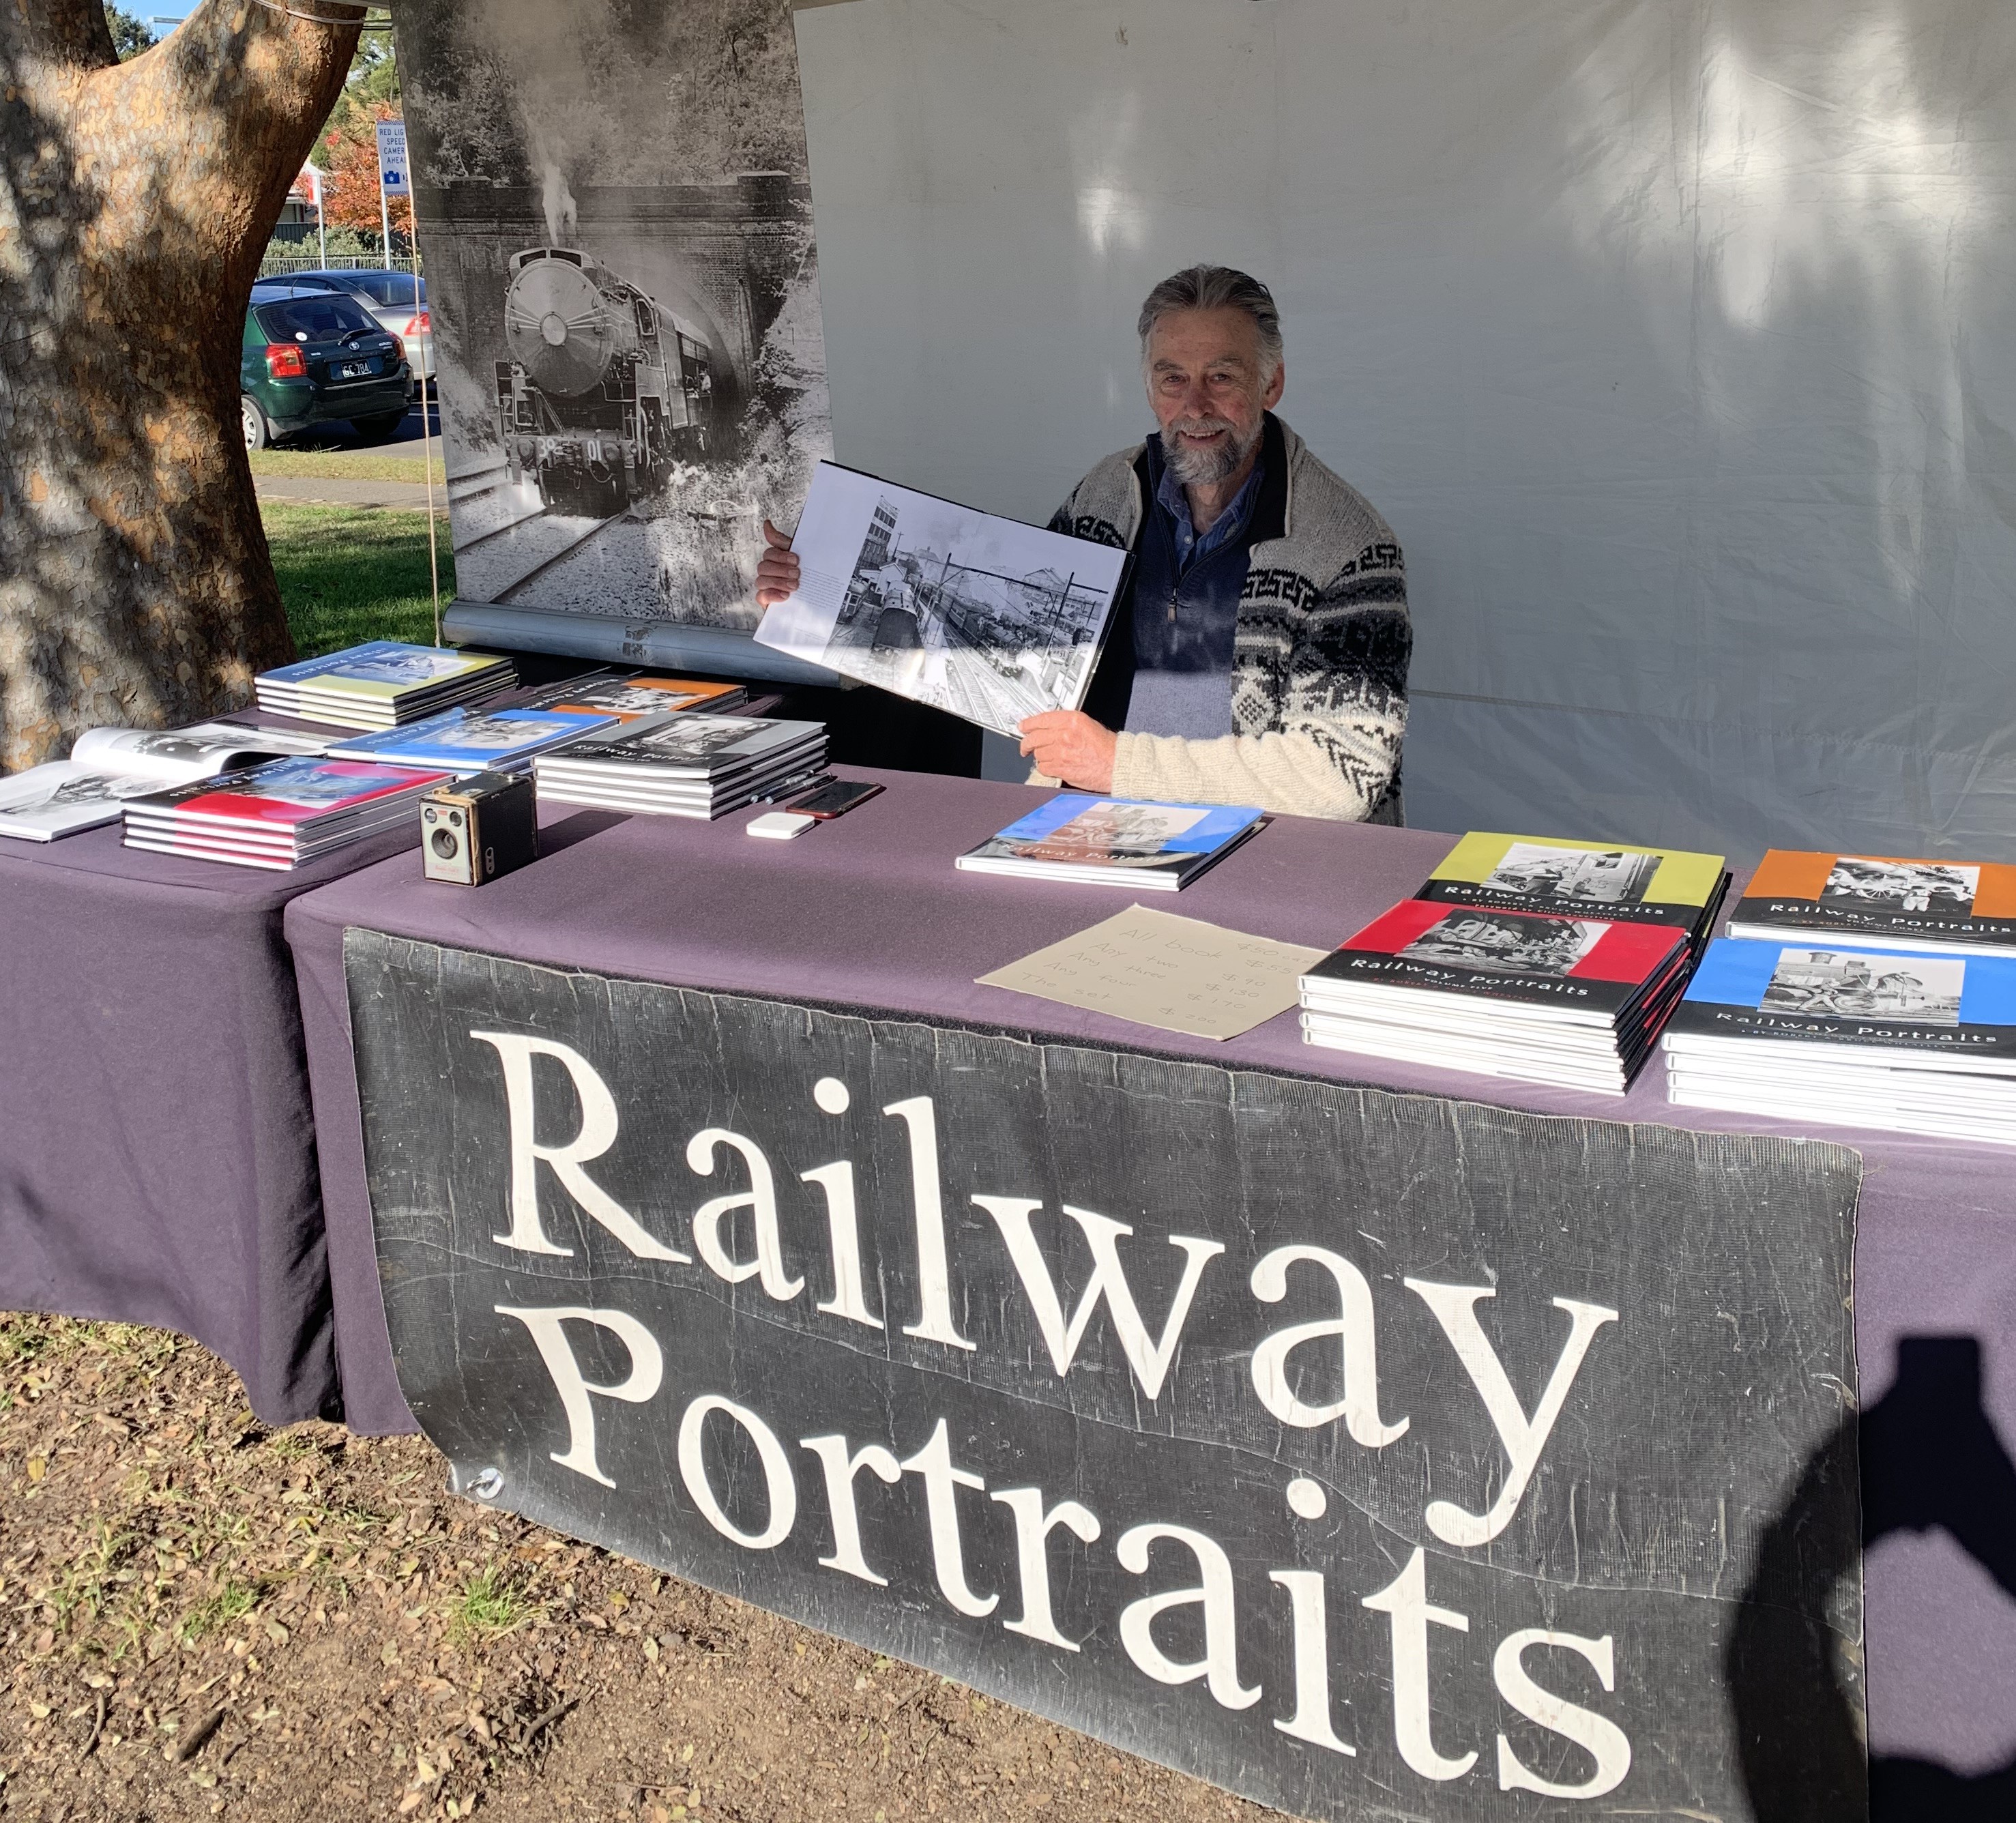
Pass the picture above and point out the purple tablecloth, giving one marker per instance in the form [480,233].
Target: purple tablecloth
[156,1158]
[869,912]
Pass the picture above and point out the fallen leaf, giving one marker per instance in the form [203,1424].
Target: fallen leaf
[37,1467]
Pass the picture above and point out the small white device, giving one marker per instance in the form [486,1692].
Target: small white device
[780,826]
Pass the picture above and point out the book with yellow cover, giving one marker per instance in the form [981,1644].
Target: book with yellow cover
[1878,902]
[1603,880]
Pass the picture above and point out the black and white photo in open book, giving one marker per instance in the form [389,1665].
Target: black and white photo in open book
[984,617]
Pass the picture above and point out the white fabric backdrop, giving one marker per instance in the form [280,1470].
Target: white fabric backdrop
[1677,339]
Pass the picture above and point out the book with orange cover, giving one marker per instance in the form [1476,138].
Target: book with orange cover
[628,698]
[1877,902]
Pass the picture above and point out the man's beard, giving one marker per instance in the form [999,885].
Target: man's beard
[1202,468]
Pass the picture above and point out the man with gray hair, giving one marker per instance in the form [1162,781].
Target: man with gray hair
[1259,653]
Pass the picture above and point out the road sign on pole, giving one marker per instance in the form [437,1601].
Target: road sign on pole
[393,179]
[392,174]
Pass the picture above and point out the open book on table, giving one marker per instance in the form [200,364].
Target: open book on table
[108,766]
[982,616]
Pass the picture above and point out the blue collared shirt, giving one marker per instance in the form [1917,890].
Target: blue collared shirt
[1227,526]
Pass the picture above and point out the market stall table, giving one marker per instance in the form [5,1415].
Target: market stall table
[157,1155]
[869,912]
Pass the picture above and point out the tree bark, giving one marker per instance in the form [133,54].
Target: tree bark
[135,201]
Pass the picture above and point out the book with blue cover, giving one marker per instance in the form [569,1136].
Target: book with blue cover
[475,741]
[1812,994]
[1115,841]
[1909,1040]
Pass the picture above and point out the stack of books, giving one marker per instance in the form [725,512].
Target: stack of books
[685,764]
[475,740]
[1114,842]
[1537,960]
[278,815]
[629,697]
[382,684]
[1860,991]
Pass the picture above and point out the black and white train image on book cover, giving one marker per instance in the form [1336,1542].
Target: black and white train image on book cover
[615,214]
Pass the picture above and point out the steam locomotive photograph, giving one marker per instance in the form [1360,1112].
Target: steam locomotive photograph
[616,228]
[603,387]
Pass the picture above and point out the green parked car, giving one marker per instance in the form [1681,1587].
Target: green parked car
[311,356]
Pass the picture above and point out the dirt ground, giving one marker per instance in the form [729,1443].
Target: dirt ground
[206,1619]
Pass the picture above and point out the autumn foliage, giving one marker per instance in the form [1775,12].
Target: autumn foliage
[348,154]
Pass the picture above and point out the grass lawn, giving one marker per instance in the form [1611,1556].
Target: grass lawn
[353,573]
[354,465]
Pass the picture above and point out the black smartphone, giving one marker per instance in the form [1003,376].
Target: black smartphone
[833,800]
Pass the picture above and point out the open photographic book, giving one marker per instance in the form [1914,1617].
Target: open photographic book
[986,618]
[108,766]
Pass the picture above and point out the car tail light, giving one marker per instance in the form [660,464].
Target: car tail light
[284,362]
[420,326]
[398,348]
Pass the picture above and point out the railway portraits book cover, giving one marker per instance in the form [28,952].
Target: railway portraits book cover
[984,617]
[1876,902]
[1608,880]
[613,204]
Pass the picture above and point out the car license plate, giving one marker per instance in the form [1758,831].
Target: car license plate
[358,369]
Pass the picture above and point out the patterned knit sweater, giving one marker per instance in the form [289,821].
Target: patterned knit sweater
[1319,660]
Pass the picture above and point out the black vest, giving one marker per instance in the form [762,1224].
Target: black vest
[1182,623]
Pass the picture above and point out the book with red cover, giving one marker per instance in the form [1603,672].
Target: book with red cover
[280,815]
[1588,969]
[294,794]
[1534,996]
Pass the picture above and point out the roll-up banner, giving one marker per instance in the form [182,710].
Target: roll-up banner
[614,207]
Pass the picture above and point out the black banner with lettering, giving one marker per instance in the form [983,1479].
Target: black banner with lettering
[1373,1455]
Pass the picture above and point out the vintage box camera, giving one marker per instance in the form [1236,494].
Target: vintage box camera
[477,828]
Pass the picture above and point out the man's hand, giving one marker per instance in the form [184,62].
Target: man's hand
[777,574]
[1068,744]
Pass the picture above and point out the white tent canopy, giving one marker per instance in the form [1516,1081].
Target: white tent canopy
[1677,338]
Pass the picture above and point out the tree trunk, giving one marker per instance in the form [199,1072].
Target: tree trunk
[135,201]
